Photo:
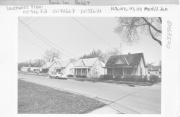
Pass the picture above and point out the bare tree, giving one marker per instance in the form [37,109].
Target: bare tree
[131,27]
[93,54]
[51,55]
[110,53]
[38,62]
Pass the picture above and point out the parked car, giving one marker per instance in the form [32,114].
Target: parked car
[57,75]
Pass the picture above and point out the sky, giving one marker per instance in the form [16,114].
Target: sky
[74,37]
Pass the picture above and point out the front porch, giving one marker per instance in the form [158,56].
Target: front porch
[81,72]
[120,72]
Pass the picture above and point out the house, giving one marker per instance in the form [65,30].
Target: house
[127,64]
[64,67]
[35,69]
[154,70]
[68,68]
[54,66]
[88,68]
[25,69]
[45,67]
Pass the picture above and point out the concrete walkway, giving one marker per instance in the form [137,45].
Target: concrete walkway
[119,98]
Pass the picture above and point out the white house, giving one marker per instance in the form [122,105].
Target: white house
[68,69]
[35,69]
[25,69]
[155,70]
[90,68]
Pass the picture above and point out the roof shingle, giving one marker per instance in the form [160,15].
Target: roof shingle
[125,60]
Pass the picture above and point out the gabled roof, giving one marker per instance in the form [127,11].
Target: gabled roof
[89,62]
[154,68]
[56,63]
[125,60]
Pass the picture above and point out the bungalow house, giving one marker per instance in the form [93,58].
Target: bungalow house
[90,68]
[64,67]
[68,69]
[127,64]
[55,66]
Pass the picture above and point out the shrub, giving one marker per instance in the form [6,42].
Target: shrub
[69,75]
[118,77]
[134,78]
[80,76]
[106,77]
[45,71]
[154,79]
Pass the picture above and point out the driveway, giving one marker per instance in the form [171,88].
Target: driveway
[122,98]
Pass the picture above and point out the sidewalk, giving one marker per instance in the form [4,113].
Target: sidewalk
[104,110]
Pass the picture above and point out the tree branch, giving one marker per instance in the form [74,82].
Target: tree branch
[136,25]
[151,25]
[154,36]
[160,19]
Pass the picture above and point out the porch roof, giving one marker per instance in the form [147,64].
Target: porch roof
[81,67]
[117,67]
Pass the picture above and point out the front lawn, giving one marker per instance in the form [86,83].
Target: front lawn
[33,98]
[115,81]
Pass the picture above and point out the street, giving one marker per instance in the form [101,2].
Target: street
[122,98]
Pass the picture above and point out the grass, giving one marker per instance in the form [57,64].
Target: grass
[37,99]
[113,81]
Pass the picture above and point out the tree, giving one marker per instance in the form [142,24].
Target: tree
[100,55]
[38,63]
[93,54]
[110,53]
[131,27]
[51,55]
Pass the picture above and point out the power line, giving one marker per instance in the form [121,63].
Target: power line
[32,43]
[92,32]
[41,37]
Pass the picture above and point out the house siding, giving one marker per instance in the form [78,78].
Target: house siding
[68,70]
[93,70]
[96,70]
[141,70]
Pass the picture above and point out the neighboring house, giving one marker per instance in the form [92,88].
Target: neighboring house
[90,68]
[31,69]
[155,70]
[56,66]
[68,69]
[46,66]
[25,69]
[35,69]
[127,64]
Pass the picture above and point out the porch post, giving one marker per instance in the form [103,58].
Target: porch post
[123,72]
[80,71]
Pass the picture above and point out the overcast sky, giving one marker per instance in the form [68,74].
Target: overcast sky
[77,36]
